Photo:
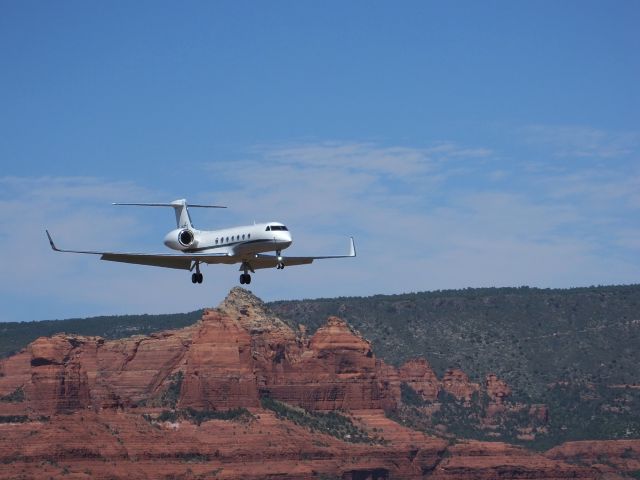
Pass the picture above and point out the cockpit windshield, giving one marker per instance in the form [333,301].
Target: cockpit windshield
[277,228]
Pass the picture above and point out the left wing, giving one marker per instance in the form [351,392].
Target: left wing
[166,260]
[270,261]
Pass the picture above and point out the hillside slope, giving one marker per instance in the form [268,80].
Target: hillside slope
[574,350]
[530,337]
[239,394]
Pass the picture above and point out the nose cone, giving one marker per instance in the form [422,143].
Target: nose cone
[284,239]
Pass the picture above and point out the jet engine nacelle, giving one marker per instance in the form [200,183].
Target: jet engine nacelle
[181,239]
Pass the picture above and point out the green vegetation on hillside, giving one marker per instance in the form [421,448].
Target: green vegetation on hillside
[330,423]
[16,396]
[527,336]
[169,397]
[198,417]
[590,411]
[14,336]
[573,350]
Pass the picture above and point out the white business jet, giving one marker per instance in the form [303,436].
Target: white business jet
[244,245]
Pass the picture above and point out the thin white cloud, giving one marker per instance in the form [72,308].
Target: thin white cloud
[444,216]
[581,141]
[602,186]
[425,215]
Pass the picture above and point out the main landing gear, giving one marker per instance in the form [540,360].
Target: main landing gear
[197,277]
[245,278]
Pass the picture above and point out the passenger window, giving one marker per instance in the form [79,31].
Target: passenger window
[243,236]
[227,239]
[248,235]
[216,241]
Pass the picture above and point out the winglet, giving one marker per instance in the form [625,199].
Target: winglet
[53,245]
[352,249]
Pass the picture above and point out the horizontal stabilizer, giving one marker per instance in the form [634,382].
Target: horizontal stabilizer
[174,205]
[183,220]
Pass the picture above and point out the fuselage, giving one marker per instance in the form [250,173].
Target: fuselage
[242,241]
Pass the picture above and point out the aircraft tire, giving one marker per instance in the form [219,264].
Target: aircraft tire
[194,278]
[248,279]
[242,279]
[200,277]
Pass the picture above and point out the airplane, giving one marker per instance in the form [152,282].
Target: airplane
[246,245]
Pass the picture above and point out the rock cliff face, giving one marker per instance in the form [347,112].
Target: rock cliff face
[457,383]
[419,375]
[608,456]
[86,406]
[233,356]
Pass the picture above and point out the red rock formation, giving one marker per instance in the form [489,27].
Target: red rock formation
[337,371]
[457,383]
[225,360]
[491,460]
[417,373]
[85,398]
[219,370]
[124,445]
[539,413]
[624,455]
[496,389]
[58,383]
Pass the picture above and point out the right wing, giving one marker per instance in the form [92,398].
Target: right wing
[166,260]
[270,261]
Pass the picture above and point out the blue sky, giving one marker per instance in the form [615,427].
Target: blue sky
[462,143]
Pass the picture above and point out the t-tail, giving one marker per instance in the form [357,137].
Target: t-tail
[183,219]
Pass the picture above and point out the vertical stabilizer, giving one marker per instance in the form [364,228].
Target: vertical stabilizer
[183,220]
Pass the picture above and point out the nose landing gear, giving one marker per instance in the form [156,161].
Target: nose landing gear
[245,278]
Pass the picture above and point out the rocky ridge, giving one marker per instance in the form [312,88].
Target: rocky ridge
[80,404]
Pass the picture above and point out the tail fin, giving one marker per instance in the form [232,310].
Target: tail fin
[183,219]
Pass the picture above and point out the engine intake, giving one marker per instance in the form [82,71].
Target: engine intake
[186,238]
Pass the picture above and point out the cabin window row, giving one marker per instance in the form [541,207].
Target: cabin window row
[234,238]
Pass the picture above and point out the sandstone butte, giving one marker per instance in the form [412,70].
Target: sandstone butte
[81,408]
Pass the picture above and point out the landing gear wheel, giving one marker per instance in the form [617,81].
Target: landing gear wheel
[245,278]
[194,278]
[280,266]
[242,279]
[200,277]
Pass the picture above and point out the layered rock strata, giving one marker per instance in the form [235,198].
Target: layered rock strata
[84,407]
[234,355]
